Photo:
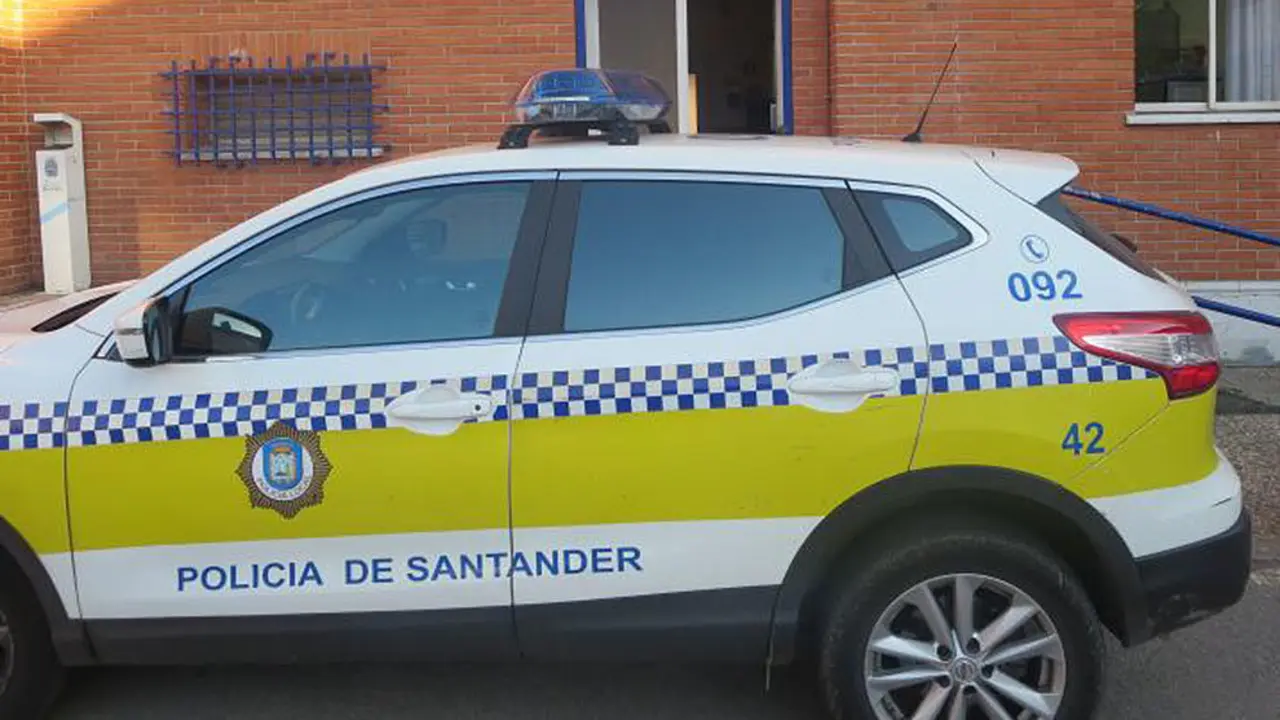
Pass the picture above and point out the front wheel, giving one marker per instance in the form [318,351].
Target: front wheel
[30,675]
[961,621]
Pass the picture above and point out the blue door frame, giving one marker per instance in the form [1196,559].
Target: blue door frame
[580,31]
[788,105]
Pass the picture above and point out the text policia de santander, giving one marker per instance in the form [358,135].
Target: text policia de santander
[414,569]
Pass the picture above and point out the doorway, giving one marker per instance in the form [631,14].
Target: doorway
[731,65]
[725,63]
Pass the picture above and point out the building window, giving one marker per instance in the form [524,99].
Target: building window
[1207,55]
[233,110]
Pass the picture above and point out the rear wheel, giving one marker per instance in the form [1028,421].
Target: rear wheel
[961,621]
[30,675]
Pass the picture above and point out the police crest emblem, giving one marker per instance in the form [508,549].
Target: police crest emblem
[284,469]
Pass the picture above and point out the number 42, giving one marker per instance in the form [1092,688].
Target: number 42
[1091,444]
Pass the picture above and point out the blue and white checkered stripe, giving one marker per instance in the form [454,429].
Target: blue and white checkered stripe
[658,388]
[1029,362]
[938,368]
[32,426]
[236,414]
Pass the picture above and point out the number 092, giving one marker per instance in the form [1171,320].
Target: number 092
[1043,286]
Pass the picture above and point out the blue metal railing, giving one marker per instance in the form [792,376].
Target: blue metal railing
[1173,215]
[1185,219]
[228,109]
[1237,311]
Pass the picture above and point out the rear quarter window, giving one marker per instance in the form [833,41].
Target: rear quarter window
[912,230]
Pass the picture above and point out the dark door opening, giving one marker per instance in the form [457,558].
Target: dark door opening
[731,59]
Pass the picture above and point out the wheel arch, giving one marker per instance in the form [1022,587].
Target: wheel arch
[1066,522]
[20,562]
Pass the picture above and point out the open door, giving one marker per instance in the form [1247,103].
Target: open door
[732,46]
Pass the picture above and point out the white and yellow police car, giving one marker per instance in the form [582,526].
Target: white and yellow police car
[892,407]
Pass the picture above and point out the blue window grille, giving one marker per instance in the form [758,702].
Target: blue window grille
[231,111]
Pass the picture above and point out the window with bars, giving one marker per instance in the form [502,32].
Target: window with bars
[231,110]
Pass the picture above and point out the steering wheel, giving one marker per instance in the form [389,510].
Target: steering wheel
[309,303]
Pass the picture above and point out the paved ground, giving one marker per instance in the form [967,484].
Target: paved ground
[1227,668]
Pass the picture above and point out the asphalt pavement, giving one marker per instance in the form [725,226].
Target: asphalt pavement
[1226,668]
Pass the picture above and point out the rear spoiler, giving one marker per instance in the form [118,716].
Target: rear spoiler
[1032,176]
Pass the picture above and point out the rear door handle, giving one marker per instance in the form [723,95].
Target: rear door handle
[437,410]
[840,385]
[863,382]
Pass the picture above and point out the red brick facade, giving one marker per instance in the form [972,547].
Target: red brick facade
[451,70]
[1057,75]
[1053,75]
[16,247]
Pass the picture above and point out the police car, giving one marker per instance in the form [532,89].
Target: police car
[619,393]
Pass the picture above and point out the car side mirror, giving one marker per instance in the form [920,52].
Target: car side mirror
[144,335]
[219,331]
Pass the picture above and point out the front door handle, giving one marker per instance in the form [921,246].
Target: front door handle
[437,410]
[840,385]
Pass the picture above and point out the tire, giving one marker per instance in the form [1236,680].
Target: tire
[30,675]
[880,592]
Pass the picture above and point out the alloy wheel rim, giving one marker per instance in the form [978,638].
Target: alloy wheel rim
[964,647]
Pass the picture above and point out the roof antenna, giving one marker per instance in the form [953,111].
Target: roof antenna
[915,135]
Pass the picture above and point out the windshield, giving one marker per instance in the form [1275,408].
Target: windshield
[71,314]
[1056,208]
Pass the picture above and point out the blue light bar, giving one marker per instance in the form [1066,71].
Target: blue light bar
[575,101]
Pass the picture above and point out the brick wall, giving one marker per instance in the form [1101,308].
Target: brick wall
[1052,75]
[809,66]
[15,199]
[1056,75]
[453,66]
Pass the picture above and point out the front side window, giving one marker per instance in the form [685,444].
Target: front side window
[1175,40]
[662,253]
[417,266]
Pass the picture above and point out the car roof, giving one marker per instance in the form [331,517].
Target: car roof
[1029,174]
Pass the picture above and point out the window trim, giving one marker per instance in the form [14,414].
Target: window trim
[519,283]
[979,236]
[1156,114]
[551,298]
[1212,111]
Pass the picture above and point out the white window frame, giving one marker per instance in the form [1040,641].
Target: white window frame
[1212,112]
[591,19]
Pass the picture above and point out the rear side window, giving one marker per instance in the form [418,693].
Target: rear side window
[663,253]
[1056,208]
[912,230]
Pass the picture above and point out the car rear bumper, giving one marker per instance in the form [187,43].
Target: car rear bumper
[1188,584]
[1189,552]
[1158,521]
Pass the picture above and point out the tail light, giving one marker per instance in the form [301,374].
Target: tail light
[1179,346]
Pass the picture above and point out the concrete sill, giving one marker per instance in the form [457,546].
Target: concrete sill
[1219,117]
[231,156]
